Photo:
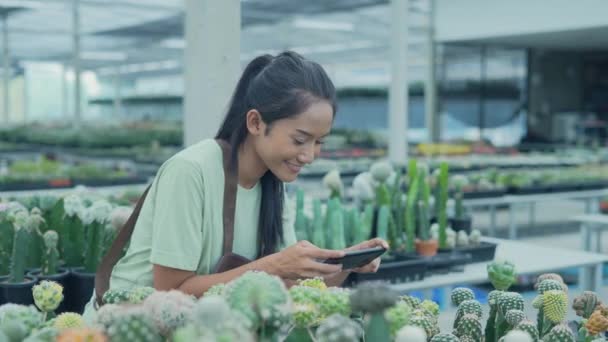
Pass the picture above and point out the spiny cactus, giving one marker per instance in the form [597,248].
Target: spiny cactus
[335,224]
[549,284]
[553,276]
[529,327]
[215,290]
[597,323]
[95,219]
[47,296]
[139,293]
[425,322]
[306,302]
[68,320]
[19,258]
[133,326]
[411,333]
[501,274]
[380,172]
[337,328]
[469,326]
[410,214]
[555,304]
[413,302]
[374,299]
[513,317]
[517,336]
[318,229]
[398,316]
[460,294]
[50,262]
[586,303]
[193,333]
[559,333]
[168,310]
[316,282]
[82,335]
[71,231]
[441,204]
[18,321]
[445,337]
[468,307]
[382,222]
[459,212]
[490,330]
[335,300]
[262,299]
[116,296]
[507,301]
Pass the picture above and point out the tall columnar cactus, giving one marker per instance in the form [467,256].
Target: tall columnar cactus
[423,221]
[506,301]
[469,327]
[300,223]
[555,303]
[459,212]
[50,263]
[490,330]
[460,294]
[21,243]
[95,218]
[336,224]
[468,307]
[333,182]
[6,243]
[410,216]
[318,235]
[383,222]
[380,172]
[441,204]
[374,299]
[35,221]
[71,231]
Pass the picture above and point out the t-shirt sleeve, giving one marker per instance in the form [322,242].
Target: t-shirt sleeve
[289,219]
[178,216]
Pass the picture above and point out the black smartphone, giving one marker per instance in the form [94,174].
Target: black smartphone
[354,259]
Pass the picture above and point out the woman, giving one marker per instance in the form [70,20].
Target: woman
[280,112]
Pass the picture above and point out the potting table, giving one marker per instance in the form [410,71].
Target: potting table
[592,224]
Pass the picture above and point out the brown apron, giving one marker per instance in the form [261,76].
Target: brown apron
[228,261]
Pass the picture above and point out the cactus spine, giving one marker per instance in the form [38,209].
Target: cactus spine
[442,204]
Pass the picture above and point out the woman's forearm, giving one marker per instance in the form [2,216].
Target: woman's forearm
[337,279]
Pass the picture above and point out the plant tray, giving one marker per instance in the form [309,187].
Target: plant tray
[484,252]
[445,262]
[483,194]
[406,269]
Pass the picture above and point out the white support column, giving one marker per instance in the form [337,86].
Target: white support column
[6,74]
[212,64]
[398,92]
[430,86]
[64,93]
[117,95]
[76,58]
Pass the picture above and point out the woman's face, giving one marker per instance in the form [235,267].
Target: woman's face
[294,142]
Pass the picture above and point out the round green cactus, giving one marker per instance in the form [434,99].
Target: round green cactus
[553,276]
[337,328]
[133,326]
[430,306]
[139,293]
[68,320]
[537,302]
[318,283]
[586,303]
[116,296]
[513,317]
[373,298]
[425,322]
[47,295]
[413,302]
[549,284]
[212,315]
[445,337]
[555,304]
[46,334]
[460,294]
[510,301]
[559,333]
[28,316]
[192,332]
[335,301]
[529,327]
[398,316]
[501,274]
[468,307]
[469,326]
[215,290]
[261,298]
[306,302]
[168,310]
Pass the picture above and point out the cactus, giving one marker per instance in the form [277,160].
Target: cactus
[506,301]
[332,181]
[586,303]
[426,323]
[335,300]
[380,172]
[398,316]
[411,334]
[318,235]
[559,333]
[383,221]
[501,274]
[133,326]
[300,224]
[549,284]
[517,336]
[116,296]
[468,307]
[262,299]
[490,330]
[6,243]
[139,293]
[413,302]
[459,212]
[374,299]
[597,323]
[553,276]
[475,237]
[445,337]
[72,231]
[18,321]
[81,335]
[423,221]
[410,216]
[21,243]
[529,327]
[93,246]
[168,310]
[555,303]
[336,225]
[514,317]
[68,320]
[47,296]
[35,221]
[441,204]
[337,328]
[460,294]
[462,239]
[51,254]
[469,326]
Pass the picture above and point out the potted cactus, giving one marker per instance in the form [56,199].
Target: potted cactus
[425,244]
[461,220]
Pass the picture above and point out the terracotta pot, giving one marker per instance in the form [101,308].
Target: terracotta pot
[604,207]
[427,248]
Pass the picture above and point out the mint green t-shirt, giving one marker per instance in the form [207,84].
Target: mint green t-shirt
[181,222]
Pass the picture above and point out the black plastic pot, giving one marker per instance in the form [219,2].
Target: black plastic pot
[61,278]
[2,279]
[18,293]
[79,289]
[459,224]
[405,270]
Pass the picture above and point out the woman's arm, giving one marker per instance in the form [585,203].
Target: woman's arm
[337,279]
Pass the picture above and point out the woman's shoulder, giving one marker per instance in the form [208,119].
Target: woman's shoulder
[201,153]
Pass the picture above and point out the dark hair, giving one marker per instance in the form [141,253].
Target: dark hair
[277,87]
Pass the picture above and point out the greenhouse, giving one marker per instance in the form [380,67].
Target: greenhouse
[303,171]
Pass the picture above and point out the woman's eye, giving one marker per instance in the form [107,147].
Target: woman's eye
[298,142]
[320,142]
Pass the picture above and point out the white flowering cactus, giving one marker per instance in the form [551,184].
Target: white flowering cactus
[169,310]
[73,206]
[363,187]
[333,182]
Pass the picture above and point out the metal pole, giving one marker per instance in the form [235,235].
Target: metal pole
[398,92]
[117,95]
[64,93]
[6,75]
[76,58]
[430,89]
[482,91]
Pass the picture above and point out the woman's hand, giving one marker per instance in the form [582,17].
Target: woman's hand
[302,260]
[373,266]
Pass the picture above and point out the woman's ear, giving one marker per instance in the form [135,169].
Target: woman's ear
[255,124]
